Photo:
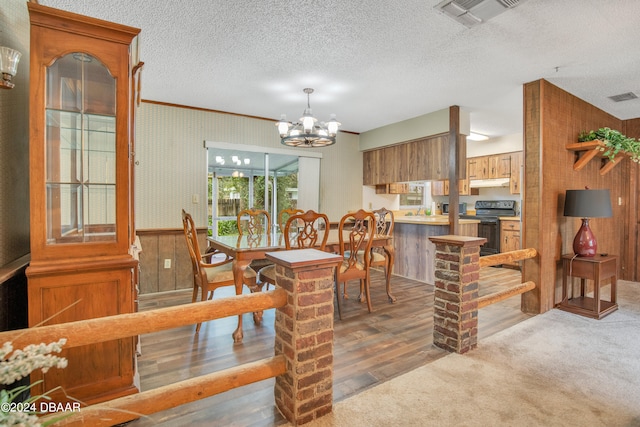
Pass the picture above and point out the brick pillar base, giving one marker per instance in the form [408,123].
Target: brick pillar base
[304,333]
[455,308]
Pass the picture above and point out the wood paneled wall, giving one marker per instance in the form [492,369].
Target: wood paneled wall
[632,129]
[159,245]
[553,118]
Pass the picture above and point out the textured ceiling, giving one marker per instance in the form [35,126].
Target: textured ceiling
[377,62]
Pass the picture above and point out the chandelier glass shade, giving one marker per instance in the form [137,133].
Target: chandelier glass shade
[308,133]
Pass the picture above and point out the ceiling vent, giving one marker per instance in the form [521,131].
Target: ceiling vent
[623,97]
[474,12]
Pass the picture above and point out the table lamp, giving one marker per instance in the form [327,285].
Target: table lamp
[586,204]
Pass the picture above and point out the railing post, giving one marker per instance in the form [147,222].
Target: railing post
[455,308]
[304,333]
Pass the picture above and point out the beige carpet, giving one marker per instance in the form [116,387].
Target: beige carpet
[555,369]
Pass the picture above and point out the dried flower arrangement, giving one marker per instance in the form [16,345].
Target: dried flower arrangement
[15,365]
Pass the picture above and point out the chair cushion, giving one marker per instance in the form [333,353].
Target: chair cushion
[268,274]
[375,257]
[224,272]
[345,265]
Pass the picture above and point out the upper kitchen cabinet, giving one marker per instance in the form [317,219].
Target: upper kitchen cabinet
[393,188]
[489,167]
[83,265]
[441,188]
[478,167]
[516,172]
[424,159]
[500,166]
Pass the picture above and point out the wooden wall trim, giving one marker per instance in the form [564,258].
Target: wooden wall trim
[165,231]
[209,110]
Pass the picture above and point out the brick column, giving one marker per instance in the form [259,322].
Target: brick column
[455,308]
[304,333]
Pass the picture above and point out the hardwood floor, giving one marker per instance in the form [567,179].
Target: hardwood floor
[368,348]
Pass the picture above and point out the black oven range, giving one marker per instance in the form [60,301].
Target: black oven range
[488,212]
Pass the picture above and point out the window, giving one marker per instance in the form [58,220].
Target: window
[415,196]
[242,177]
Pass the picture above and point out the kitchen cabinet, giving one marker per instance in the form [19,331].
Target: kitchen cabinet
[500,166]
[394,188]
[424,159]
[463,187]
[478,167]
[510,237]
[516,172]
[441,188]
[83,260]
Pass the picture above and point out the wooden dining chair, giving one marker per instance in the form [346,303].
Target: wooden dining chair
[284,215]
[356,231]
[211,270]
[253,221]
[303,230]
[379,258]
[254,224]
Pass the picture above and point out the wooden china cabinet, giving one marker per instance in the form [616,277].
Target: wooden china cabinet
[83,255]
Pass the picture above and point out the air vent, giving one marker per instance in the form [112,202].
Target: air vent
[623,97]
[473,12]
[467,4]
[510,3]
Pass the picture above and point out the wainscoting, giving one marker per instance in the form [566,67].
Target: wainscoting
[159,246]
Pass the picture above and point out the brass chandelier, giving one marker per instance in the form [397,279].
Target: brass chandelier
[308,133]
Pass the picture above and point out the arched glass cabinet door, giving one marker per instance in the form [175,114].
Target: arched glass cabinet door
[80,140]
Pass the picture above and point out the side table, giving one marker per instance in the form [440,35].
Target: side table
[596,269]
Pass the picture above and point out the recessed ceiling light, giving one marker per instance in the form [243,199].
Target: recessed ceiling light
[477,137]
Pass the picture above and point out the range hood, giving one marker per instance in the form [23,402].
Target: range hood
[486,183]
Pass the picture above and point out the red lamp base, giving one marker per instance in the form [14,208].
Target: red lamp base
[584,244]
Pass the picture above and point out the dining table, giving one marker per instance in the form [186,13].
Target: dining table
[245,248]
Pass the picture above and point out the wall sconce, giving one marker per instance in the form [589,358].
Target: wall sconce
[9,59]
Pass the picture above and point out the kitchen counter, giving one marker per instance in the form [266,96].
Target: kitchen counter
[509,218]
[414,253]
[431,220]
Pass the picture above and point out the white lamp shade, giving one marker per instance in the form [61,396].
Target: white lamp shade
[9,59]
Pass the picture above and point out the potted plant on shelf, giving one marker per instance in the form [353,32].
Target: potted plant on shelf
[613,142]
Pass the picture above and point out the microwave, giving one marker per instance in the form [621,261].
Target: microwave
[461,210]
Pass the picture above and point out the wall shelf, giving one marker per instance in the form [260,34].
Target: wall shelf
[585,151]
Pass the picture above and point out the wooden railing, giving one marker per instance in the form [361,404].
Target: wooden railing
[126,325]
[503,258]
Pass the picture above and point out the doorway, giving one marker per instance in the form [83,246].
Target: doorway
[241,177]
